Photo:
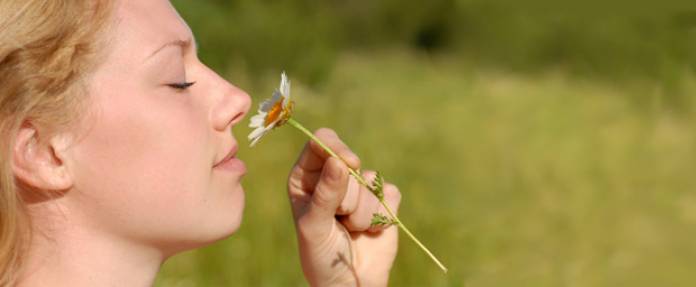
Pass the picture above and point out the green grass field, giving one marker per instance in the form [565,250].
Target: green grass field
[512,179]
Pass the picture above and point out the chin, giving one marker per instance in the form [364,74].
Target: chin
[219,223]
[228,219]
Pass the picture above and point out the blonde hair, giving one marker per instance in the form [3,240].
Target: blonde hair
[46,49]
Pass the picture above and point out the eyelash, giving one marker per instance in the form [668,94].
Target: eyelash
[181,86]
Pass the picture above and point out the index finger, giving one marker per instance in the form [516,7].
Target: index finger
[313,156]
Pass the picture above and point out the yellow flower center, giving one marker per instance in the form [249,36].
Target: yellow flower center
[274,113]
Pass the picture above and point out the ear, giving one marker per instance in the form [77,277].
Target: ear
[40,163]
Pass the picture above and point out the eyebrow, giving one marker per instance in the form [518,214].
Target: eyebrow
[177,42]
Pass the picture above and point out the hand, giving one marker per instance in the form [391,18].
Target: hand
[332,213]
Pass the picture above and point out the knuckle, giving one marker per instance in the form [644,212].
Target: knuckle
[377,228]
[343,209]
[369,174]
[354,225]
[325,132]
[392,192]
[322,198]
[362,224]
[352,158]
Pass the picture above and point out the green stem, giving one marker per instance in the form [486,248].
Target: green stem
[362,181]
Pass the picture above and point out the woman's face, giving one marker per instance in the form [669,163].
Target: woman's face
[146,166]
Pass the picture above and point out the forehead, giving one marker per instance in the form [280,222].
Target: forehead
[148,24]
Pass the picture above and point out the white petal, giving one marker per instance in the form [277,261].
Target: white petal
[284,85]
[272,125]
[257,120]
[256,136]
[253,142]
[258,133]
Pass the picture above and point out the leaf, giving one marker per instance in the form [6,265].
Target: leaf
[379,219]
[377,186]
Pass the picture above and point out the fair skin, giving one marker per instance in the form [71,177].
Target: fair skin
[147,173]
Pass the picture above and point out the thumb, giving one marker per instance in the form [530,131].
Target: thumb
[329,191]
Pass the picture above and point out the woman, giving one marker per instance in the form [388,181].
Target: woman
[116,154]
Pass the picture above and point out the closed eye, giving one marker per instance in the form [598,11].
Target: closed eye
[181,86]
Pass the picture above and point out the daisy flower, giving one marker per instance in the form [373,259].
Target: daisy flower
[277,111]
[273,112]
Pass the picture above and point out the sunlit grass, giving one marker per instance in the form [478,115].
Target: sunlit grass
[511,179]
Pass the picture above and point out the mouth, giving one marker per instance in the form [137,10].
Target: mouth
[231,155]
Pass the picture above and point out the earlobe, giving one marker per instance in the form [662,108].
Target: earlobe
[36,162]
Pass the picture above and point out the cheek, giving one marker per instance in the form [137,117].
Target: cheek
[145,166]
[148,140]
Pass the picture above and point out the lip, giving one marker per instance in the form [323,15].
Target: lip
[231,162]
[232,153]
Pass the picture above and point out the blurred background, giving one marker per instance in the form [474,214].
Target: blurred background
[536,143]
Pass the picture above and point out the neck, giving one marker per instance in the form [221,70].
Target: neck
[69,254]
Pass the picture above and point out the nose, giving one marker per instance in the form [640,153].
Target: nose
[231,104]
